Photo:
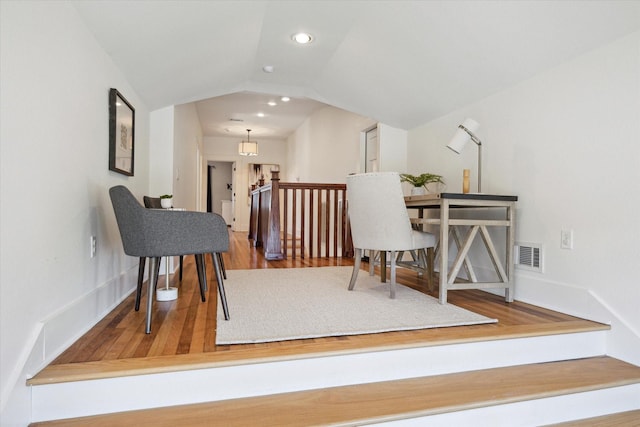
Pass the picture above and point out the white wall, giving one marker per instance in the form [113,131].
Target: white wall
[308,155]
[187,138]
[567,142]
[55,80]
[392,146]
[326,147]
[161,149]
[226,150]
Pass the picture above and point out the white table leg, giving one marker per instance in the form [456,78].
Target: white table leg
[166,293]
[444,250]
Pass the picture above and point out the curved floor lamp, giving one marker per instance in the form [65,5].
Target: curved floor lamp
[460,139]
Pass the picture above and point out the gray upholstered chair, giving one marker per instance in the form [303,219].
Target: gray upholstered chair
[151,233]
[151,203]
[154,203]
[380,222]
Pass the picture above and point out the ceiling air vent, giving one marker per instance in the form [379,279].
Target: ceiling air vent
[528,256]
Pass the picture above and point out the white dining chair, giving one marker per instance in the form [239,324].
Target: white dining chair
[380,222]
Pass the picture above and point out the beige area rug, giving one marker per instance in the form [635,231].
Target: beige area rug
[285,304]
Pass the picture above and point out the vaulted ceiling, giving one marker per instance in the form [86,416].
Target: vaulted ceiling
[399,62]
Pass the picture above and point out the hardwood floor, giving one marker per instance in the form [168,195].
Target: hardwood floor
[183,331]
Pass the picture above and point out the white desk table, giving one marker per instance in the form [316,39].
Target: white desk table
[450,202]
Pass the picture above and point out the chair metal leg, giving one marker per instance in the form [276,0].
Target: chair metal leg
[356,267]
[154,263]
[141,267]
[223,296]
[202,275]
[222,267]
[155,285]
[140,279]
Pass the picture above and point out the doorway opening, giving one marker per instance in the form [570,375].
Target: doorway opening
[220,191]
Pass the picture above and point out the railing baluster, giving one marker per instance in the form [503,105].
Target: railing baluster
[327,221]
[303,215]
[312,196]
[322,220]
[319,226]
[294,223]
[335,223]
[285,221]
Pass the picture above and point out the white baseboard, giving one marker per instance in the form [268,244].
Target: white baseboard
[623,342]
[55,334]
[532,288]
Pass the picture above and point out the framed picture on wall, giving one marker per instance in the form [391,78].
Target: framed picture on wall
[121,134]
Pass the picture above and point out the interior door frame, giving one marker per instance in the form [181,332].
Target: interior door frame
[234,180]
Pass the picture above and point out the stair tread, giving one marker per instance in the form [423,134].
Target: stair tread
[429,337]
[389,400]
[620,419]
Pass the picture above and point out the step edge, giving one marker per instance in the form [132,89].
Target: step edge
[54,374]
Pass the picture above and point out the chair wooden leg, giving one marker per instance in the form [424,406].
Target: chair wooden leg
[356,267]
[154,263]
[223,296]
[392,285]
[140,279]
[372,261]
[202,276]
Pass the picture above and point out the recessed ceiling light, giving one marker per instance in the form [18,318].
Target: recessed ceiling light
[285,99]
[268,68]
[260,114]
[302,38]
[272,103]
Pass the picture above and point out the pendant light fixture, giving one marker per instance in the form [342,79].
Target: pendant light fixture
[248,147]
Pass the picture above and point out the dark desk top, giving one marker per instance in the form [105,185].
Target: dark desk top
[478,196]
[462,196]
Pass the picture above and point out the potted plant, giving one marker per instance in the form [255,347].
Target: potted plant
[166,201]
[420,182]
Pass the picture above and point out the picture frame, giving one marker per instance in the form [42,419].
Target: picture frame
[121,134]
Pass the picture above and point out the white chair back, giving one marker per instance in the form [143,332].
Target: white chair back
[377,212]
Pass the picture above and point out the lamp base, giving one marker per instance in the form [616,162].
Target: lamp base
[166,294]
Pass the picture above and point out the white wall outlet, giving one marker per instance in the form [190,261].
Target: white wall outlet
[566,239]
[92,246]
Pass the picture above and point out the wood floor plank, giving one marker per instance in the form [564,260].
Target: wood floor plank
[183,331]
[621,419]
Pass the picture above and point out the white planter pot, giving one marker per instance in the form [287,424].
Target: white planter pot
[166,203]
[417,191]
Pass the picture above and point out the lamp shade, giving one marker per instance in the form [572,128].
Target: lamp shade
[463,135]
[248,147]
